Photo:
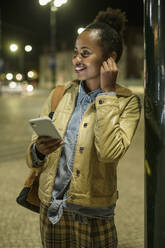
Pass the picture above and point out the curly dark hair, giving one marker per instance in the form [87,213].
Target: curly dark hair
[111,23]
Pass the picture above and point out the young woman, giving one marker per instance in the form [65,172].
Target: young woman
[97,119]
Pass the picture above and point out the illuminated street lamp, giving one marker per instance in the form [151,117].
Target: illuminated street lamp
[54,5]
[19,76]
[59,3]
[20,54]
[9,76]
[30,74]
[44,2]
[13,47]
[80,30]
[28,48]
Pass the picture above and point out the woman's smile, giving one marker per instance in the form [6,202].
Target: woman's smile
[80,68]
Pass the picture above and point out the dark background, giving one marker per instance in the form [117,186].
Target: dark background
[26,22]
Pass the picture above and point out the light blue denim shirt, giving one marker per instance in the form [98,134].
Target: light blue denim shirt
[65,168]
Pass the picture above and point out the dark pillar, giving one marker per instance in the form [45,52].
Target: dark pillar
[154,18]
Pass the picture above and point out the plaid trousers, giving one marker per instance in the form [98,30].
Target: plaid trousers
[69,232]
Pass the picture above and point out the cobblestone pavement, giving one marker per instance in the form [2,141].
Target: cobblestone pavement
[19,228]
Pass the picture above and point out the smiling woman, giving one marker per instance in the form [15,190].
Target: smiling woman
[97,119]
[88,58]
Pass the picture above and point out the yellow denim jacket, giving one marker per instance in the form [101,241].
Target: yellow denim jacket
[111,124]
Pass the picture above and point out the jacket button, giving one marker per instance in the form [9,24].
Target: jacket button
[81,148]
[78,172]
[101,101]
[85,124]
[72,197]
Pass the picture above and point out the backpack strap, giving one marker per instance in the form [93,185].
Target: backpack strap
[57,96]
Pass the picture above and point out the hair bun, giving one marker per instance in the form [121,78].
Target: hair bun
[113,17]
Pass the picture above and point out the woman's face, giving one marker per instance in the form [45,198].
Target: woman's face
[88,56]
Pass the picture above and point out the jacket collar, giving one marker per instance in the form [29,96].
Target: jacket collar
[120,90]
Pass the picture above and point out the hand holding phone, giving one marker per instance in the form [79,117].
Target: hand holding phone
[49,137]
[46,145]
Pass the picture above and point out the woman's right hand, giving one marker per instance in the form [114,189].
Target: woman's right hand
[46,145]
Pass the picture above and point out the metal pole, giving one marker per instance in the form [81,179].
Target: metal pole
[53,10]
[154,105]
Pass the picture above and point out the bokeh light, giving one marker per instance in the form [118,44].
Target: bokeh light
[28,48]
[9,76]
[12,84]
[30,88]
[30,74]
[2,76]
[44,2]
[80,30]
[19,76]
[13,47]
[58,3]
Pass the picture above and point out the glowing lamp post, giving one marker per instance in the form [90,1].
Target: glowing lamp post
[13,47]
[54,5]
[28,48]
[80,30]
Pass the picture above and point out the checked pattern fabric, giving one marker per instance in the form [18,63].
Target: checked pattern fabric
[75,231]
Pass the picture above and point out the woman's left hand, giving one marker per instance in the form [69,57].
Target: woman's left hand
[108,75]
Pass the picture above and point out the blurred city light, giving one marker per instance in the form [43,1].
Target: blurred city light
[80,30]
[3,76]
[9,76]
[44,2]
[30,74]
[28,48]
[58,3]
[12,84]
[13,47]
[19,77]
[35,74]
[30,88]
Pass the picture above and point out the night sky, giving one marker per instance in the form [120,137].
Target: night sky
[26,20]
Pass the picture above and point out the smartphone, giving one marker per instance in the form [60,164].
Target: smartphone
[45,127]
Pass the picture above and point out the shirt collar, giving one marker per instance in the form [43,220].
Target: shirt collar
[91,95]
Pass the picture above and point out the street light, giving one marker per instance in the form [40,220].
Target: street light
[19,76]
[9,76]
[28,48]
[54,5]
[30,74]
[20,52]
[13,47]
[44,2]
[59,3]
[80,30]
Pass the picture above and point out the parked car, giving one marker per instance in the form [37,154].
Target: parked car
[16,88]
